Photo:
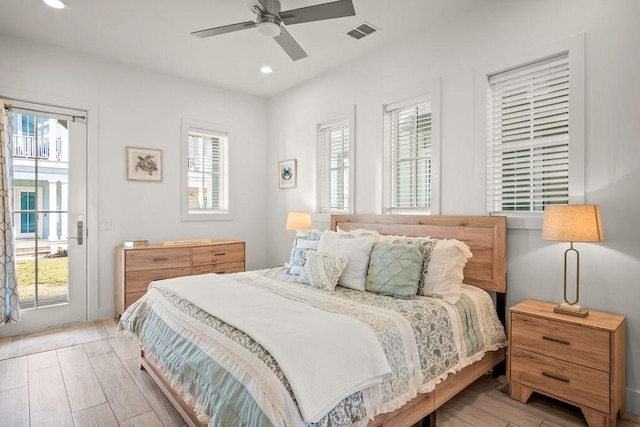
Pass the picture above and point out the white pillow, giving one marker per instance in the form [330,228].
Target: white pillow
[356,250]
[359,232]
[445,273]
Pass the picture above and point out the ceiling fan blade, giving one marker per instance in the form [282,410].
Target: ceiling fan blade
[336,9]
[224,29]
[286,42]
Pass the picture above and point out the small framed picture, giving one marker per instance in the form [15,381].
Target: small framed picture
[287,173]
[144,164]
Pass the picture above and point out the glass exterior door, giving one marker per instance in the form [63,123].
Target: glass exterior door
[49,181]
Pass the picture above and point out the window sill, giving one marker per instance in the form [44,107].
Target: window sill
[521,221]
[207,217]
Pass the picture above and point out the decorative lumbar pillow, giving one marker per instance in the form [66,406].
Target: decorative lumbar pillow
[357,250]
[394,269]
[427,244]
[304,242]
[445,274]
[322,271]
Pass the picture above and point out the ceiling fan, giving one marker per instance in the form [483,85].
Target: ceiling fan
[270,20]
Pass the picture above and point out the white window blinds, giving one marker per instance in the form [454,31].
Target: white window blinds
[334,164]
[409,154]
[528,136]
[208,172]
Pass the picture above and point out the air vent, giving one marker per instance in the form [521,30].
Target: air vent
[362,30]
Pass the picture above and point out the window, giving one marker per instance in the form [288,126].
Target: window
[535,152]
[409,156]
[335,167]
[206,176]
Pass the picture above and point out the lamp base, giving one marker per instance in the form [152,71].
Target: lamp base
[571,310]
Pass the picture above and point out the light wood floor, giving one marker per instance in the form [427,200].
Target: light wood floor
[84,375]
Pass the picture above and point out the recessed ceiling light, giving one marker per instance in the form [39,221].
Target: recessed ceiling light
[266,70]
[56,4]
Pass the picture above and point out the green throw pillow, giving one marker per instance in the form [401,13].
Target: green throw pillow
[394,269]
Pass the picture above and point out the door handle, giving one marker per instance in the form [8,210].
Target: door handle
[80,232]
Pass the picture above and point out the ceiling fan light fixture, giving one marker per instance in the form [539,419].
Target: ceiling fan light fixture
[269,29]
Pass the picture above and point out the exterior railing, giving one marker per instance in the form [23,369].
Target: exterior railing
[26,147]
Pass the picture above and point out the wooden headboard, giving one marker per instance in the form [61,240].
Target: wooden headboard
[485,235]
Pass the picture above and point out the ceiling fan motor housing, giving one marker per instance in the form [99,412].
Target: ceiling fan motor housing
[269,25]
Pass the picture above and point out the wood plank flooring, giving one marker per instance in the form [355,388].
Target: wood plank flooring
[83,375]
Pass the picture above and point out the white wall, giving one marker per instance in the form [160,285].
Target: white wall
[454,51]
[142,108]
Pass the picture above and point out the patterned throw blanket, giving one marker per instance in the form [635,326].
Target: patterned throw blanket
[232,380]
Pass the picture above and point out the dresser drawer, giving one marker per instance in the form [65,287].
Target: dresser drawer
[138,281]
[223,268]
[131,298]
[154,259]
[207,255]
[573,383]
[572,343]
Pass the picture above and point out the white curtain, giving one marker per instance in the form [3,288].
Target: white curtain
[8,283]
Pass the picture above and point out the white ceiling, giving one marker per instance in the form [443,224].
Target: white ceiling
[155,34]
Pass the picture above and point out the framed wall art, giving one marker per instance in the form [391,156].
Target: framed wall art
[144,164]
[287,173]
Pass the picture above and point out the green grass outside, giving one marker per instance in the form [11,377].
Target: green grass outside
[53,277]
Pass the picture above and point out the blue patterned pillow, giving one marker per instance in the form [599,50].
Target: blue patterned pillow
[305,241]
[427,244]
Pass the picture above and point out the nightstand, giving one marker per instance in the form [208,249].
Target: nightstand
[580,361]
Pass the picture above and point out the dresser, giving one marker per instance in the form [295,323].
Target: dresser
[137,267]
[580,361]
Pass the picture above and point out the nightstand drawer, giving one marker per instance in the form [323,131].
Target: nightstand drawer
[153,259]
[572,343]
[207,255]
[570,382]
[138,281]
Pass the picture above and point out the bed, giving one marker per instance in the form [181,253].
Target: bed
[485,236]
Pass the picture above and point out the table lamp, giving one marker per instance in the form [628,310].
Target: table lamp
[572,223]
[298,221]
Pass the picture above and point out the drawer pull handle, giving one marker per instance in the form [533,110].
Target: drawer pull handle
[220,254]
[555,377]
[160,259]
[559,341]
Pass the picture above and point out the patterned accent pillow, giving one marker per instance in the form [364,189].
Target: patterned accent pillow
[394,269]
[322,271]
[427,244]
[305,242]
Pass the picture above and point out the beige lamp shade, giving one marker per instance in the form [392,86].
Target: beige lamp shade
[298,221]
[572,223]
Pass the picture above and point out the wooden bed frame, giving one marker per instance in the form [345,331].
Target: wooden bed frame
[486,237]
